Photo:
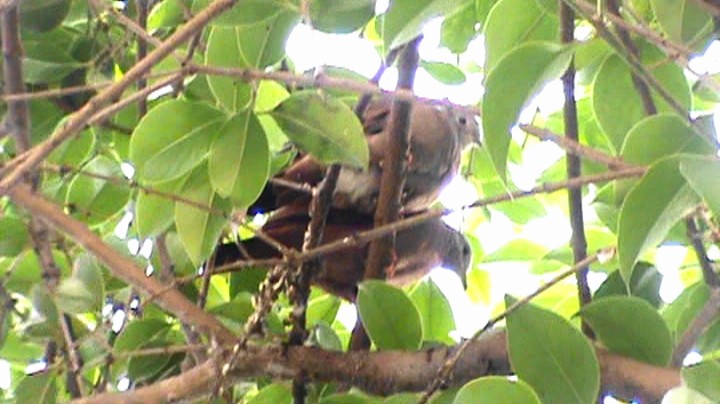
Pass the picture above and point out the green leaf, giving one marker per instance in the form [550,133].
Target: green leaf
[199,228]
[155,212]
[167,14]
[87,270]
[614,91]
[341,17]
[630,327]
[390,317]
[26,271]
[39,388]
[512,23]
[497,390]
[444,72]
[660,135]
[651,208]
[322,308]
[94,200]
[517,250]
[685,395]
[239,160]
[271,394]
[14,236]
[326,337]
[683,21]
[45,62]
[644,283]
[552,356]
[458,29]
[518,77]
[405,19]
[238,309]
[703,378]
[478,286]
[324,127]
[702,174]
[686,307]
[247,12]
[435,312]
[74,297]
[172,139]
[75,151]
[43,15]
[223,50]
[139,332]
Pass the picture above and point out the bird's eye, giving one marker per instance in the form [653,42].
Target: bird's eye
[462,120]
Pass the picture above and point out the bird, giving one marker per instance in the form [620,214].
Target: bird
[416,250]
[438,134]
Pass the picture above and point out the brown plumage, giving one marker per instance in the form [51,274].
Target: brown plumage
[416,250]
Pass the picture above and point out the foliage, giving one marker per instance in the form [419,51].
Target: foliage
[206,148]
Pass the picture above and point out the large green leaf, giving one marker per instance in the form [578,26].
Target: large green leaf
[651,208]
[198,227]
[702,174]
[552,356]
[496,390]
[14,238]
[324,127]
[239,160]
[223,50]
[45,62]
[247,12]
[630,327]
[616,102]
[390,317]
[341,16]
[683,21]
[512,23]
[173,138]
[40,388]
[644,283]
[703,378]
[660,135]
[435,312]
[94,200]
[518,77]
[154,212]
[405,19]
[84,291]
[459,28]
[43,15]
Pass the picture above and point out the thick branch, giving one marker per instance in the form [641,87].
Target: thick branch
[389,372]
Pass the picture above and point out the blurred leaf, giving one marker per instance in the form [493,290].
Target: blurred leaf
[271,394]
[630,327]
[239,160]
[458,28]
[322,307]
[45,62]
[552,356]
[512,23]
[405,20]
[246,13]
[435,312]
[43,15]
[138,333]
[326,337]
[703,378]
[685,395]
[680,313]
[166,14]
[38,388]
[324,127]
[172,139]
[341,17]
[518,77]
[702,174]
[651,208]
[75,151]
[14,236]
[443,72]
[517,250]
[498,390]
[390,317]
[682,21]
[478,286]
